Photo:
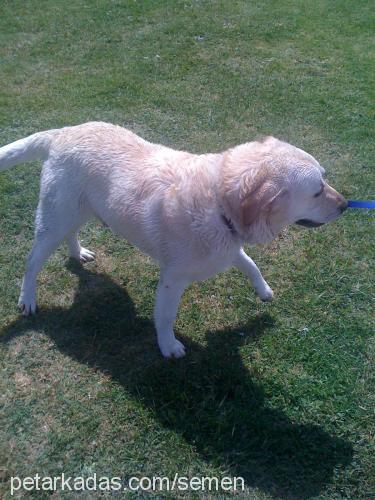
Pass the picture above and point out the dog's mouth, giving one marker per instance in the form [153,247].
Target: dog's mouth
[309,223]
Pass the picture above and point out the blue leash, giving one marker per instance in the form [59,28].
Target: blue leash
[361,204]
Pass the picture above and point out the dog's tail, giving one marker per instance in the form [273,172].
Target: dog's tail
[30,148]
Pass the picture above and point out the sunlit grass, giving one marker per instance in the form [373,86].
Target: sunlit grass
[281,393]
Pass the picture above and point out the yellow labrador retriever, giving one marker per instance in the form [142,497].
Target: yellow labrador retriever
[190,213]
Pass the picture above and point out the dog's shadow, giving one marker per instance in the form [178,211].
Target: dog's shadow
[208,397]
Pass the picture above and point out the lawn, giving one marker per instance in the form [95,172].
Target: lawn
[280,394]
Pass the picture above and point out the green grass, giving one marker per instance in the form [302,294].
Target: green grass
[281,394]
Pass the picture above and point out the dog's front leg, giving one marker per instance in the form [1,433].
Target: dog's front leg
[246,265]
[168,295]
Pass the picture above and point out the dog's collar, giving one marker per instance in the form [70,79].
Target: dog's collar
[228,223]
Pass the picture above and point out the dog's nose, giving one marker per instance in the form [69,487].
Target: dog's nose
[343,205]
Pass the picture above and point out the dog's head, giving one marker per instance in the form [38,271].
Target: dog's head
[271,184]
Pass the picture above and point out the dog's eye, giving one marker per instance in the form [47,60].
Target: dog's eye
[320,192]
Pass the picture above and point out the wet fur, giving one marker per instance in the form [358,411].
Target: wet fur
[190,213]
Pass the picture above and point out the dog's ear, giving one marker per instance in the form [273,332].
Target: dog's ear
[262,200]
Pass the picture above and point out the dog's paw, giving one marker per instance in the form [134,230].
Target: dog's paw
[86,255]
[174,349]
[27,306]
[265,294]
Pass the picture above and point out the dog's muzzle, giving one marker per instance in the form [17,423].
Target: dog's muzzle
[310,223]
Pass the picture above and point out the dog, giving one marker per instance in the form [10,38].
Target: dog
[191,213]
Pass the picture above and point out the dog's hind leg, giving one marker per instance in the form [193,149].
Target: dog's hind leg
[45,243]
[56,218]
[76,251]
